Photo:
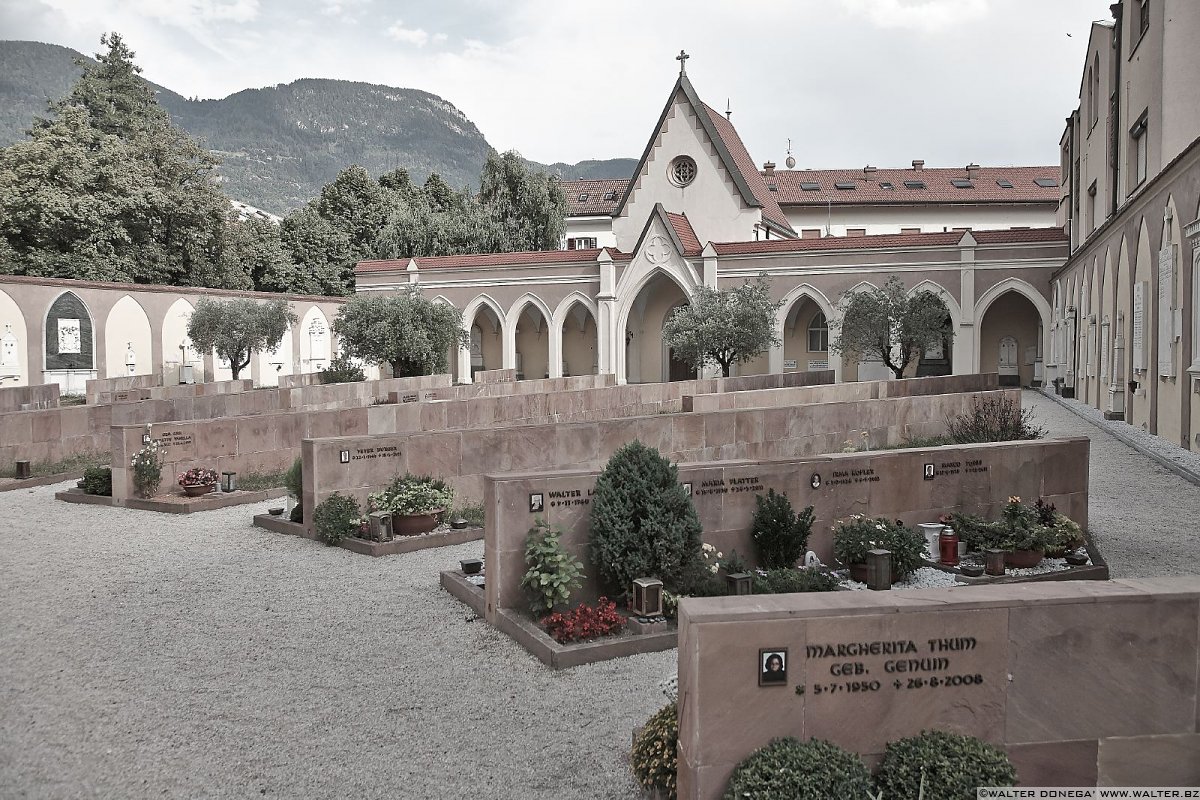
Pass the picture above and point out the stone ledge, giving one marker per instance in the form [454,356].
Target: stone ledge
[470,595]
[409,544]
[174,504]
[12,484]
[563,656]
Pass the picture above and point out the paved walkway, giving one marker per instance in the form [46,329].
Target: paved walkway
[146,655]
[1142,516]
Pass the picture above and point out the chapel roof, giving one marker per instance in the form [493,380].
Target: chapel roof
[527,258]
[890,240]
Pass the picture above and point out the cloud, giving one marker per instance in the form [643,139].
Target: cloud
[347,8]
[417,36]
[923,15]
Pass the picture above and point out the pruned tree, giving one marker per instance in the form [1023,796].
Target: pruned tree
[890,324]
[236,328]
[411,333]
[724,327]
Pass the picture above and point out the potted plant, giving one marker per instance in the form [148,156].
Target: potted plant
[1021,537]
[854,536]
[1064,534]
[416,502]
[198,480]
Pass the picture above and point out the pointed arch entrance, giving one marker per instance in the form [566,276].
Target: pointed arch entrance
[484,323]
[530,325]
[647,358]
[577,338]
[1013,318]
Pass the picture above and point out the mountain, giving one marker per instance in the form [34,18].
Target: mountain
[279,145]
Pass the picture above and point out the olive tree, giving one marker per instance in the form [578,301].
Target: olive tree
[411,333]
[724,327]
[890,324]
[236,328]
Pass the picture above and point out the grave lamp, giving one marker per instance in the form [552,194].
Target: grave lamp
[879,569]
[740,583]
[228,481]
[647,597]
[379,526]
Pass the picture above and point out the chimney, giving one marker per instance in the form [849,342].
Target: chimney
[972,171]
[867,170]
[918,163]
[769,169]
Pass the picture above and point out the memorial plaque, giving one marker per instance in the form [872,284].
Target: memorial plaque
[875,681]
[1166,302]
[789,363]
[69,336]
[1139,325]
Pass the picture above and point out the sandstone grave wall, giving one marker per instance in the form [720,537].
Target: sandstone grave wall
[975,479]
[1084,683]
[16,398]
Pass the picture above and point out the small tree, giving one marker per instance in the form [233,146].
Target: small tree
[891,324]
[724,327]
[236,328]
[409,332]
[643,522]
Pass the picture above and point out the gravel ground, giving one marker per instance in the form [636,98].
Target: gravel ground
[148,655]
[1140,514]
[151,655]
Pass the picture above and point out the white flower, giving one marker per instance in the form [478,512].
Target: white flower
[720,555]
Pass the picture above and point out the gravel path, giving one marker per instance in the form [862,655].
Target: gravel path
[1141,515]
[147,655]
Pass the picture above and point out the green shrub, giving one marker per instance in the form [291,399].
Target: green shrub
[857,534]
[994,419]
[655,753]
[812,770]
[954,766]
[341,370]
[293,479]
[98,480]
[147,469]
[471,512]
[643,522]
[412,494]
[65,400]
[336,518]
[789,581]
[553,572]
[780,535]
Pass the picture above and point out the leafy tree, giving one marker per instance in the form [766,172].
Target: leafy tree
[724,327]
[643,523]
[236,328]
[322,252]
[890,324]
[252,250]
[411,333]
[530,207]
[106,188]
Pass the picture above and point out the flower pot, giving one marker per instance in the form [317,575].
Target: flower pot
[196,491]
[415,524]
[1023,558]
[1077,559]
[971,570]
[858,572]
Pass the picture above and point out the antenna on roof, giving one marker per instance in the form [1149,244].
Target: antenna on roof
[791,162]
[728,110]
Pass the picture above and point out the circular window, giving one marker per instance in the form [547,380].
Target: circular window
[683,170]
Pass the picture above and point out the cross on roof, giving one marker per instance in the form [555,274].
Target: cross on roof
[682,59]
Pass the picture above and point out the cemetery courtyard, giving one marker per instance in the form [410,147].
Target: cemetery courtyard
[153,655]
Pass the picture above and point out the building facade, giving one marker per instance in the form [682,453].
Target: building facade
[698,212]
[1125,303]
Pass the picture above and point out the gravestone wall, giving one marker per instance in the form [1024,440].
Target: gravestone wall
[1083,683]
[864,390]
[14,398]
[100,390]
[975,479]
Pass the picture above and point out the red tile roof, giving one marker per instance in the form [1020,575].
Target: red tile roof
[868,187]
[890,240]
[745,164]
[686,233]
[529,258]
[586,198]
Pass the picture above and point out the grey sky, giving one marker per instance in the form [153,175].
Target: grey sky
[850,82]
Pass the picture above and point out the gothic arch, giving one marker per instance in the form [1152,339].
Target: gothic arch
[177,348]
[470,310]
[69,356]
[14,351]
[316,340]
[629,298]
[128,341]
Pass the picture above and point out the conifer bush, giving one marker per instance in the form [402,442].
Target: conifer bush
[953,766]
[780,535]
[812,770]
[655,754]
[643,523]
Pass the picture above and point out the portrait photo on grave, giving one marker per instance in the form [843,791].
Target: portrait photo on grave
[772,666]
[536,502]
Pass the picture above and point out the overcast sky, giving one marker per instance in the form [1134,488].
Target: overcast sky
[850,82]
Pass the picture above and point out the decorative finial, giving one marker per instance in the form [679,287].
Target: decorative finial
[682,59]
[728,110]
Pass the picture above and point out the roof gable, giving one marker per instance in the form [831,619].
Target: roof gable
[730,151]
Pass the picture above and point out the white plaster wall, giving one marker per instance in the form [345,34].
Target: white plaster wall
[174,334]
[315,348]
[276,362]
[127,326]
[930,219]
[1181,69]
[600,228]
[10,314]
[713,204]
